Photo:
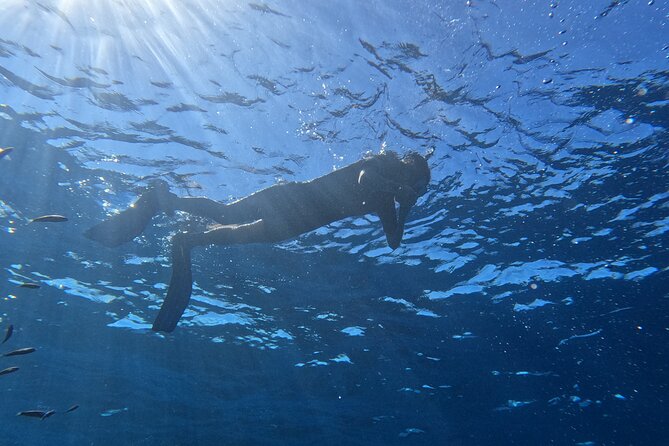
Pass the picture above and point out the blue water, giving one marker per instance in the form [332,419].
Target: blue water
[528,304]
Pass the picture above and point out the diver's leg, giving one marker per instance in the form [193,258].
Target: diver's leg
[181,282]
[204,207]
[130,223]
[245,210]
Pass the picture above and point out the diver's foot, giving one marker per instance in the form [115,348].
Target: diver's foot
[164,198]
[128,224]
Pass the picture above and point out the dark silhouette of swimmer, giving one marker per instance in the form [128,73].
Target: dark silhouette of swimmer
[370,186]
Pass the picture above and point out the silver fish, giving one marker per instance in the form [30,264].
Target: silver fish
[41,414]
[52,218]
[30,285]
[8,334]
[31,413]
[8,370]
[21,351]
[4,152]
[72,408]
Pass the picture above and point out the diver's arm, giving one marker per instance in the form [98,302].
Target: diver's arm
[393,222]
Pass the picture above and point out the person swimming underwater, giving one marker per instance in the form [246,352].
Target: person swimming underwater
[371,185]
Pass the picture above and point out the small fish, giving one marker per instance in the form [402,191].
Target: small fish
[30,285]
[8,334]
[31,413]
[72,409]
[8,370]
[53,218]
[6,151]
[41,414]
[21,351]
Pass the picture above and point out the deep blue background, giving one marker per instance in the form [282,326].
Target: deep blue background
[528,304]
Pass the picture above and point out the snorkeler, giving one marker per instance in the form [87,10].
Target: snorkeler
[280,212]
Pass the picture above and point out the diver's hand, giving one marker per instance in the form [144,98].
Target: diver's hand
[394,241]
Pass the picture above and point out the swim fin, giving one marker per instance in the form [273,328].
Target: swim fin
[128,224]
[178,293]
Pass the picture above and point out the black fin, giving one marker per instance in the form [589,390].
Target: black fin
[178,293]
[128,224]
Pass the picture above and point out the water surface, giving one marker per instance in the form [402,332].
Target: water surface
[527,305]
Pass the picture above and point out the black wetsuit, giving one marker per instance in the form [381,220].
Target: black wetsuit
[294,208]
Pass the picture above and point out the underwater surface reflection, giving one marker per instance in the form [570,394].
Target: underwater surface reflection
[527,303]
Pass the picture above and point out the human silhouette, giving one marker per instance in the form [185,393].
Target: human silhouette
[371,185]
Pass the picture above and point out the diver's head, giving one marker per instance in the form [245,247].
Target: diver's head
[416,173]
